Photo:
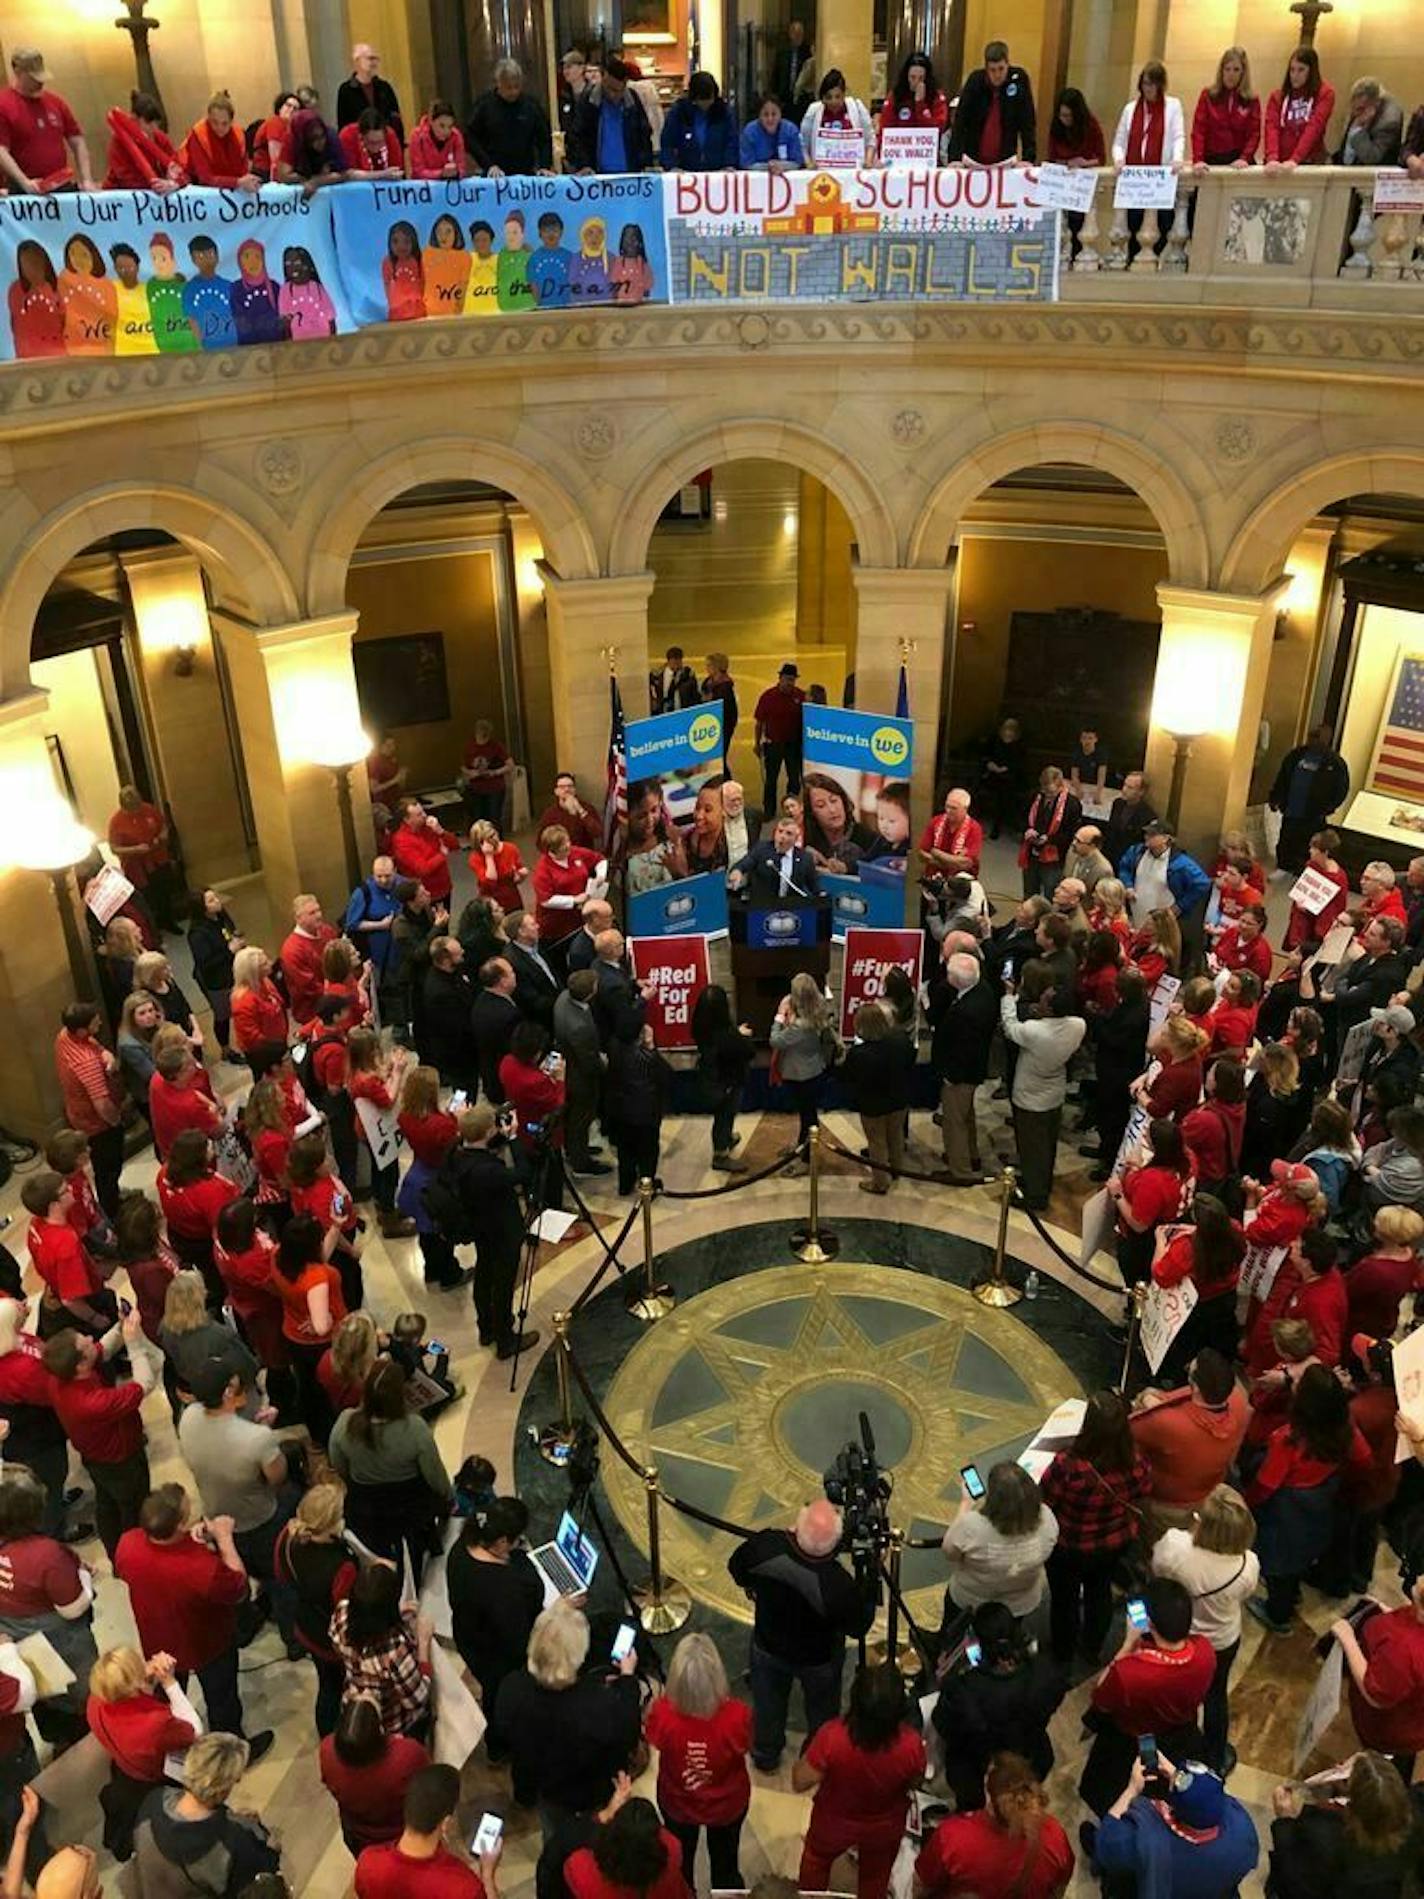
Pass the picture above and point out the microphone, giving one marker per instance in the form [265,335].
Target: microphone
[867,1436]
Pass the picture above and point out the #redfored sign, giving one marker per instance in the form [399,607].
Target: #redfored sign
[677,968]
[869,955]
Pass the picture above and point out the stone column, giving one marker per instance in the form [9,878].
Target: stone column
[844,31]
[1212,668]
[294,692]
[35,981]
[904,606]
[587,618]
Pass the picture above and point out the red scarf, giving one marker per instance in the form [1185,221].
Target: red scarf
[1044,853]
[1149,126]
[951,846]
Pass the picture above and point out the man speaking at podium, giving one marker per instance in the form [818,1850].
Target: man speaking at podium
[776,870]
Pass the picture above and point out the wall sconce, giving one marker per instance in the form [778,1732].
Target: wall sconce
[185,658]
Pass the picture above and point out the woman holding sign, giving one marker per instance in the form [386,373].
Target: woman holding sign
[915,100]
[1151,131]
[837,129]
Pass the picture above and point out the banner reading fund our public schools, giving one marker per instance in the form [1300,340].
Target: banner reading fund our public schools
[855,798]
[888,236]
[674,855]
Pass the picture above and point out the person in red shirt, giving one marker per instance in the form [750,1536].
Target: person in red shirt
[484,777]
[317,1189]
[1190,1437]
[102,1420]
[1306,929]
[1226,127]
[376,1078]
[1298,114]
[73,1289]
[1348,1566]
[146,1257]
[1012,1844]
[142,157]
[67,1152]
[300,956]
[368,1772]
[953,842]
[1308,1286]
[312,1308]
[342,976]
[371,147]
[563,872]
[1385,1659]
[192,1193]
[1148,1197]
[778,734]
[1176,1088]
[1376,1285]
[1213,1132]
[42,146]
[420,1865]
[258,1011]
[272,144]
[497,865]
[138,837]
[267,1121]
[533,1089]
[1209,1253]
[631,1853]
[214,153]
[703,1735]
[862,1765]
[437,145]
[185,1581]
[430,1134]
[583,824]
[420,847]
[179,1098]
[1155,1685]
[1243,945]
[1097,974]
[137,1728]
[92,1091]
[243,1255]
[1233,1020]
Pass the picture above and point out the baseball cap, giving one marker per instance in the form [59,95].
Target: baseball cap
[790,671]
[29,59]
[1395,1016]
[1197,1797]
[1291,1173]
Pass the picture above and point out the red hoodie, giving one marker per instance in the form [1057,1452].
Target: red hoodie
[210,160]
[428,158]
[1296,125]
[1212,1134]
[1227,128]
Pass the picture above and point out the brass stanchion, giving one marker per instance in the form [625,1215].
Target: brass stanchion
[555,1440]
[1136,1300]
[650,1300]
[663,1604]
[812,1243]
[996,1290]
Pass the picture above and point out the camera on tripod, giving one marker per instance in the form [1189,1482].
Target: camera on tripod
[860,1490]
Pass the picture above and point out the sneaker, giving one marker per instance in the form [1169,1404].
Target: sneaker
[725,1164]
[259,1745]
[516,1342]
[1257,1607]
[584,1170]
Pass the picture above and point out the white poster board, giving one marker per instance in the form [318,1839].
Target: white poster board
[1059,1429]
[910,147]
[1165,1311]
[1065,188]
[106,893]
[1322,1707]
[1099,1222]
[838,148]
[1312,890]
[1163,996]
[1145,188]
[1397,191]
[1409,1389]
[1258,1271]
[381,1131]
[459,1719]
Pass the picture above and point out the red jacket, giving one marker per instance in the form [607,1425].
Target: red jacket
[138,153]
[1296,125]
[1227,127]
[1321,1303]
[210,160]
[300,958]
[428,160]
[1233,954]
[258,1015]
[421,855]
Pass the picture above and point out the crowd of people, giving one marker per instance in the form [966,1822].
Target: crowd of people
[611,120]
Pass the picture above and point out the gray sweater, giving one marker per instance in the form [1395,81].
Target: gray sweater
[400,1449]
[800,1050]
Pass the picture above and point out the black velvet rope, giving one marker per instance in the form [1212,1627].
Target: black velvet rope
[733,1186]
[598,1414]
[1107,1285]
[610,1258]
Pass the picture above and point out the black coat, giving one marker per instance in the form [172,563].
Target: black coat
[879,1075]
[534,992]
[1368,984]
[212,959]
[493,1019]
[1016,116]
[1120,1042]
[963,1025]
[351,102]
[981,1713]
[485,1188]
[618,1006]
[1313,1858]
[581,152]
[638,1083]
[1329,785]
[1124,828]
[444,1018]
[510,133]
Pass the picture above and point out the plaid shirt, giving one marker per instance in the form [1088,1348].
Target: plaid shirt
[388,1669]
[1095,1510]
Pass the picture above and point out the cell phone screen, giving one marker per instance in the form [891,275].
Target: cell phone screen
[972,1481]
[1137,1614]
[973,1654]
[624,1640]
[1147,1749]
[459,1098]
[487,1834]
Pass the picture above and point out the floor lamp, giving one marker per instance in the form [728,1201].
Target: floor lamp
[341,756]
[1183,743]
[55,842]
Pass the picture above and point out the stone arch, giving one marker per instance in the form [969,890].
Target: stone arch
[763,439]
[1149,476]
[1259,551]
[232,548]
[568,543]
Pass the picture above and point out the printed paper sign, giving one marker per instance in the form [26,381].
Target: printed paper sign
[1322,1707]
[1397,191]
[1409,1389]
[869,957]
[107,893]
[910,147]
[841,147]
[1165,1311]
[1258,1273]
[1099,1225]
[1162,998]
[1312,891]
[382,1133]
[678,967]
[1145,188]
[1065,187]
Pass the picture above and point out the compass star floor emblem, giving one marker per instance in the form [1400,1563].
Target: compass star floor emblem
[743,1397]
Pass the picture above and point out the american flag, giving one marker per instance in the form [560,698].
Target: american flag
[902,697]
[1400,765]
[615,802]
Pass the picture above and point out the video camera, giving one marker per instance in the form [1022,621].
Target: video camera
[860,1490]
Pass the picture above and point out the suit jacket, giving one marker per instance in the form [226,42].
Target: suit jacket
[445,1040]
[576,1033]
[492,1022]
[534,990]
[618,1006]
[762,869]
[963,1025]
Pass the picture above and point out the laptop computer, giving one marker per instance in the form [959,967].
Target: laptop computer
[567,1564]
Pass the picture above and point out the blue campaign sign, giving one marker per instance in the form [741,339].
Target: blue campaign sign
[862,903]
[857,741]
[690,740]
[697,906]
[421,248]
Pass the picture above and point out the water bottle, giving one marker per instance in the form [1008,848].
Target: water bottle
[1031,1285]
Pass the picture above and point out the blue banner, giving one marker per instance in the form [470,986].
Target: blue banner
[782,929]
[414,249]
[144,273]
[686,741]
[861,903]
[855,795]
[695,906]
[860,741]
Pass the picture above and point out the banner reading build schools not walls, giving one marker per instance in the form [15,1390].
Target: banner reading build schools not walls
[675,848]
[141,273]
[855,794]
[499,247]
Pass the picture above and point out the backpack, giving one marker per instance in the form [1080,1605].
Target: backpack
[315,1089]
[441,1197]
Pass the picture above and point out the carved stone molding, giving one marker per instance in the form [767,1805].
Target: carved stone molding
[596,436]
[279,468]
[908,428]
[1235,439]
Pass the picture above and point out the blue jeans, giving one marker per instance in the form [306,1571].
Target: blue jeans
[772,1681]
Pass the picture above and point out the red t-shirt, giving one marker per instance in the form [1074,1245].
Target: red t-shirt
[143,826]
[340,1395]
[778,713]
[702,1763]
[37,1575]
[864,1792]
[569,879]
[493,757]
[300,958]
[183,1595]
[1155,1689]
[61,1261]
[1232,1028]
[1374,1288]
[1154,1194]
[296,1317]
[172,1109]
[270,1148]
[429,1136]
[34,132]
[192,1211]
[101,1421]
[1177,1089]
[422,855]
[371,1798]
[23,1378]
[385,1872]
[585,1881]
[138,1732]
[1394,1648]
[327,1200]
[972,1853]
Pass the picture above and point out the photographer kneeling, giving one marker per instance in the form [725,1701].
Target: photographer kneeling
[806,1606]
